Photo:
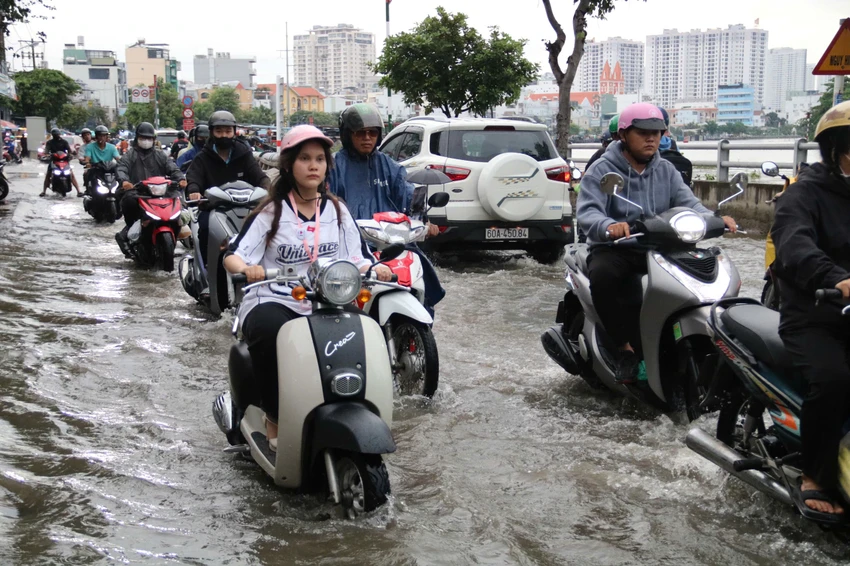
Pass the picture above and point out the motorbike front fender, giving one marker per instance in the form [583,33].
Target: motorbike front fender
[351,427]
[403,303]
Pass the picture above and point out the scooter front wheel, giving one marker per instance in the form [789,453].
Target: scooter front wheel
[165,248]
[417,364]
[364,483]
[4,189]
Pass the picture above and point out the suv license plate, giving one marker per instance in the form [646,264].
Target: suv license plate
[506,233]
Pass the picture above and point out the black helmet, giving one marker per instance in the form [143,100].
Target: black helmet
[202,131]
[101,130]
[55,132]
[181,135]
[85,131]
[222,118]
[357,117]
[145,129]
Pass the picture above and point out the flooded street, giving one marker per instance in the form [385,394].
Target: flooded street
[109,452]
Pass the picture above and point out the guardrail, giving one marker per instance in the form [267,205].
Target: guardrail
[723,163]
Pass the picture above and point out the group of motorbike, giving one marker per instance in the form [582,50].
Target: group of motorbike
[705,349]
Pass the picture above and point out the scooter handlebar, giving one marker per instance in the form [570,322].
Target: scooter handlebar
[242,278]
[825,294]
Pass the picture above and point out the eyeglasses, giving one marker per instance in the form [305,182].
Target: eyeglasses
[361,134]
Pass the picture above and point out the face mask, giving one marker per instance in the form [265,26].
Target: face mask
[223,143]
[200,143]
[145,144]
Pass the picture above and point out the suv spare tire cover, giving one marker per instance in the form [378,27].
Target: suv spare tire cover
[512,187]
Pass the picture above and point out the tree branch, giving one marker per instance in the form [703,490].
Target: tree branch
[554,47]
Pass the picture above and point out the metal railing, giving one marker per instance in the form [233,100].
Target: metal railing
[723,163]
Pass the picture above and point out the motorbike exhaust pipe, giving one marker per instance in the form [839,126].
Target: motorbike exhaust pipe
[721,455]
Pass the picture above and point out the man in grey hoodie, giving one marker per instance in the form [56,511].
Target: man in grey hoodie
[654,184]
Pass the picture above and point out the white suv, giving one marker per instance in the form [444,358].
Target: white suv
[509,187]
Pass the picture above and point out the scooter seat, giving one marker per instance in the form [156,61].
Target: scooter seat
[757,328]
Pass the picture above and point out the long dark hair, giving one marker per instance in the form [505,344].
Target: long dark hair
[285,183]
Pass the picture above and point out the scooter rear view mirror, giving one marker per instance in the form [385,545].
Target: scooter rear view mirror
[438,200]
[611,183]
[739,184]
[770,169]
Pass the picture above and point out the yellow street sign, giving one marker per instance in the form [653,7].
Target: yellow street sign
[836,58]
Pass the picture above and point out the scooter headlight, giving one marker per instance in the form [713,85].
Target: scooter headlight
[158,190]
[101,188]
[376,234]
[397,233]
[114,188]
[690,226]
[339,282]
[67,172]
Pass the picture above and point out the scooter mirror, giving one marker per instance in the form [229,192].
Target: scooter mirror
[770,169]
[739,181]
[611,183]
[575,174]
[391,252]
[438,200]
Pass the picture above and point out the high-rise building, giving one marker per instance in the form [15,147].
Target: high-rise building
[218,68]
[684,66]
[144,61]
[629,54]
[335,59]
[101,77]
[785,73]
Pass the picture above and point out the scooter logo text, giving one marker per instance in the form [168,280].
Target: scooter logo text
[332,347]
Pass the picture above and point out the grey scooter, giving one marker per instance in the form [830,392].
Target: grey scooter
[675,295]
[229,205]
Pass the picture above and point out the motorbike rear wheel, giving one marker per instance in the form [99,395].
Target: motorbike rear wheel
[363,483]
[4,189]
[165,249]
[417,367]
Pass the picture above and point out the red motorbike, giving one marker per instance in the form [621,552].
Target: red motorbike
[61,178]
[152,237]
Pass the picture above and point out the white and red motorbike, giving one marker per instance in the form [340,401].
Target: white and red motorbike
[399,306]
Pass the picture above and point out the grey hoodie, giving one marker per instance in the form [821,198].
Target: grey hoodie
[658,188]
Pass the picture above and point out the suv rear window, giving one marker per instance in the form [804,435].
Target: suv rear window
[484,145]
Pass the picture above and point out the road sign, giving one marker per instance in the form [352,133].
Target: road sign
[188,113]
[188,101]
[188,125]
[836,58]
[141,95]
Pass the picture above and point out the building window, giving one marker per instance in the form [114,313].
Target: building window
[205,95]
[99,74]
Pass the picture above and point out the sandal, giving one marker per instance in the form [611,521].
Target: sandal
[272,441]
[42,194]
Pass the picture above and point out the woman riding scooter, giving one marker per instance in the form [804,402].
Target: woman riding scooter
[296,224]
[812,240]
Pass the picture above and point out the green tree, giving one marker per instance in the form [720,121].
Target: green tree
[565,77]
[711,128]
[443,64]
[73,116]
[810,123]
[259,115]
[225,98]
[14,11]
[203,110]
[319,118]
[43,92]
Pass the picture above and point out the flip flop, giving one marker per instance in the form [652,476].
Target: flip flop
[800,496]
[43,195]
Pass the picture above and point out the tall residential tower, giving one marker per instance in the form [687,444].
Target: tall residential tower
[335,59]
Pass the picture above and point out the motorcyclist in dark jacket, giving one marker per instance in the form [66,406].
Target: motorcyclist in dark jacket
[55,145]
[371,182]
[812,238]
[178,144]
[222,160]
[198,138]
[142,161]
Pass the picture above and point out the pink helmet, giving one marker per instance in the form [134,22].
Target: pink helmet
[642,115]
[302,133]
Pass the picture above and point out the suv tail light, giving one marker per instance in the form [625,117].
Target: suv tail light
[454,173]
[561,174]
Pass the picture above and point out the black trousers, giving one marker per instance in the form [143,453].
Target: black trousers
[130,207]
[821,354]
[612,273]
[203,232]
[260,332]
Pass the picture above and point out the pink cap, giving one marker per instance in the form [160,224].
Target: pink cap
[302,133]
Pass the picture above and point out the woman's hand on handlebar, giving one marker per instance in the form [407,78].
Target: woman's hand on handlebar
[844,287]
[254,273]
[731,225]
[618,230]
[383,273]
[194,196]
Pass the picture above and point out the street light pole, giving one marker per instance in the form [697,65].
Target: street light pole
[389,92]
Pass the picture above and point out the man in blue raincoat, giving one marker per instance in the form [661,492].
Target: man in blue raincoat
[371,182]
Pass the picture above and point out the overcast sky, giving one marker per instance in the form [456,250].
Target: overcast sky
[258,28]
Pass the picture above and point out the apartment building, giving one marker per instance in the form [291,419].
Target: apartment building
[335,59]
[785,73]
[629,54]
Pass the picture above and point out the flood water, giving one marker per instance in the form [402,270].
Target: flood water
[109,453]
